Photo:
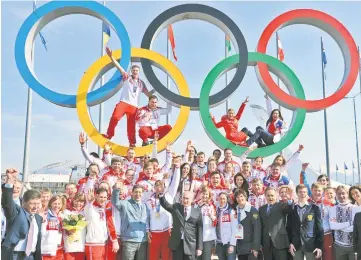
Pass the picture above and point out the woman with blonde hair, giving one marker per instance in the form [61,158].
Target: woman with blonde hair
[75,250]
[52,231]
[209,219]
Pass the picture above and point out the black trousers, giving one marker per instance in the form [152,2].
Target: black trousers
[272,253]
[178,254]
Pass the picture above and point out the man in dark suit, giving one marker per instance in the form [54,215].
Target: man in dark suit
[275,242]
[23,225]
[186,239]
[307,228]
[357,235]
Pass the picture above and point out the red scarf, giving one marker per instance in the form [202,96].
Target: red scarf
[275,178]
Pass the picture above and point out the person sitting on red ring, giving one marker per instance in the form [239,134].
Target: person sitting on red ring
[230,124]
[147,118]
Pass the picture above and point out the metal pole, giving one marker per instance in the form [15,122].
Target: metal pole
[344,170]
[325,118]
[28,123]
[168,78]
[359,71]
[101,106]
[336,176]
[357,148]
[278,79]
[226,76]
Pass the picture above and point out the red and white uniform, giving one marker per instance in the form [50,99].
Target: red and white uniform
[134,165]
[52,235]
[202,169]
[258,173]
[216,191]
[229,178]
[86,183]
[224,224]
[111,177]
[158,174]
[129,187]
[129,100]
[209,219]
[100,227]
[131,90]
[222,165]
[148,121]
[276,127]
[148,186]
[103,163]
[231,127]
[73,248]
[257,200]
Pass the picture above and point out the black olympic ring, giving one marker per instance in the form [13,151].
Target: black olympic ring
[205,13]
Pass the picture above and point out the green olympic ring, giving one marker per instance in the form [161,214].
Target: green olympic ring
[287,76]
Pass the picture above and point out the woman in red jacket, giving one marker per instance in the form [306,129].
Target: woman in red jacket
[230,124]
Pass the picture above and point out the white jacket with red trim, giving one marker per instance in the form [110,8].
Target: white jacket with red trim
[86,183]
[150,117]
[134,165]
[148,186]
[224,225]
[111,177]
[51,234]
[258,172]
[209,218]
[101,224]
[216,191]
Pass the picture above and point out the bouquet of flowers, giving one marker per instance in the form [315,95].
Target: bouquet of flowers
[74,224]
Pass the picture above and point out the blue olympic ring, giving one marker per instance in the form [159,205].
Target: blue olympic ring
[45,14]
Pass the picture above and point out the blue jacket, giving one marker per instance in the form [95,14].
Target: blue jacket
[134,219]
[17,225]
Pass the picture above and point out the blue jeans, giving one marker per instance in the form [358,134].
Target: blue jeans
[222,252]
[264,136]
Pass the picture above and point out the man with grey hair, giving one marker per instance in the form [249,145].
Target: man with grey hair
[186,239]
[23,229]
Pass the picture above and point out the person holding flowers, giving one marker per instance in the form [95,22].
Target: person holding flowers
[52,232]
[74,229]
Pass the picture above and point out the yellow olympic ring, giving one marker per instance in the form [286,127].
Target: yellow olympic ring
[92,72]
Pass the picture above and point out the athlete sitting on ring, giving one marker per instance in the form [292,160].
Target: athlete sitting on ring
[230,124]
[147,118]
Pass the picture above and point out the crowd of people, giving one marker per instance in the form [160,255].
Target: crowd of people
[192,207]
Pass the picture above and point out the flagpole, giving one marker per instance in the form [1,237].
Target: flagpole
[325,116]
[353,174]
[357,147]
[101,106]
[278,79]
[28,120]
[226,76]
[359,71]
[344,170]
[168,78]
[336,174]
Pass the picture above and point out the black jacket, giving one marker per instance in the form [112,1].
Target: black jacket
[309,230]
[17,225]
[357,235]
[275,224]
[192,227]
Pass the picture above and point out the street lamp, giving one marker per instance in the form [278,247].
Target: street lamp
[357,151]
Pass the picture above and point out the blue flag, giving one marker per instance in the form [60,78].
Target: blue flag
[345,166]
[40,34]
[324,59]
[106,33]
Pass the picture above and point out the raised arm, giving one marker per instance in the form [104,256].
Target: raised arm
[173,185]
[115,62]
[82,140]
[219,124]
[7,201]
[241,109]
[165,204]
[294,156]
[117,203]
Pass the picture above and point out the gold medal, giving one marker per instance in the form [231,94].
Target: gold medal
[157,215]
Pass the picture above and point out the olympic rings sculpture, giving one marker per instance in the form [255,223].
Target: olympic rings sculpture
[263,64]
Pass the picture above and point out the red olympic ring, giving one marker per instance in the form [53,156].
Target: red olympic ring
[337,31]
